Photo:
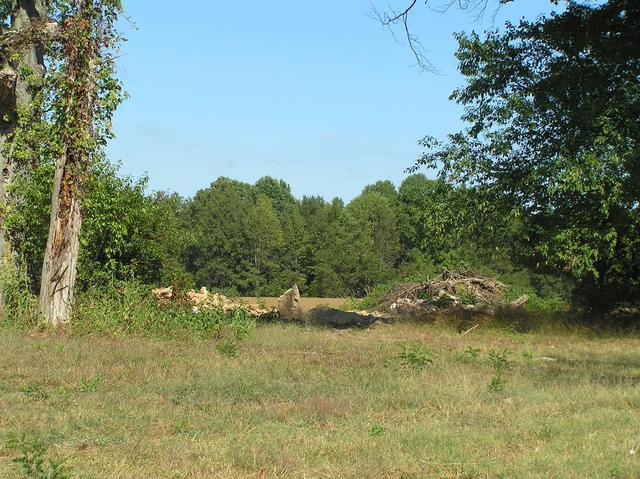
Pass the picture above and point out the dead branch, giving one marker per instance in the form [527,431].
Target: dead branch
[392,18]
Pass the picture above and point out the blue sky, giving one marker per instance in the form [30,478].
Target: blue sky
[315,93]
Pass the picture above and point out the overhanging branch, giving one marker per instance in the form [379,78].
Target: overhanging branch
[391,18]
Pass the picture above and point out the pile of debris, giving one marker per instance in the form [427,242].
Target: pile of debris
[203,299]
[466,291]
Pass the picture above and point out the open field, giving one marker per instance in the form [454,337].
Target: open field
[307,303]
[301,402]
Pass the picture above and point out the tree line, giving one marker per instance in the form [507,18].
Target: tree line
[541,185]
[258,239]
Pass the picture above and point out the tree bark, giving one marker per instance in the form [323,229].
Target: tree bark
[61,256]
[15,93]
[59,269]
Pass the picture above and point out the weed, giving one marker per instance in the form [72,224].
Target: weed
[34,391]
[126,307]
[90,385]
[63,390]
[467,296]
[241,323]
[500,362]
[33,461]
[528,356]
[470,354]
[228,348]
[183,427]
[376,430]
[497,384]
[416,356]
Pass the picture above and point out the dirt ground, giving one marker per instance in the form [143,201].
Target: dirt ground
[307,303]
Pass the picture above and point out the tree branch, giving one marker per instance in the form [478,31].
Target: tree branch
[389,20]
[392,18]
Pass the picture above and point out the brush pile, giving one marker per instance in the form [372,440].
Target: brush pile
[465,290]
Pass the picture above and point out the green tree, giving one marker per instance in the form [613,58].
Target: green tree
[22,65]
[362,249]
[552,107]
[267,244]
[217,255]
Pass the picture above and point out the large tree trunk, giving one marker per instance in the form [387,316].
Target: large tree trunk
[61,256]
[81,47]
[15,93]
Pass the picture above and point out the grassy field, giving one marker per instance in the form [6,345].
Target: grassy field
[395,401]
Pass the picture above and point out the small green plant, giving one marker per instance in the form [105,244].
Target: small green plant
[241,323]
[228,348]
[34,391]
[497,384]
[416,356]
[424,294]
[376,430]
[90,385]
[183,427]
[33,461]
[470,354]
[500,362]
[262,304]
[615,471]
[528,356]
[443,300]
[63,390]
[466,294]
[165,365]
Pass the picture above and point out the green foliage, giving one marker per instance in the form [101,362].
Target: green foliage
[470,354]
[500,363]
[228,348]
[373,297]
[497,383]
[20,303]
[363,248]
[550,148]
[34,391]
[128,307]
[499,360]
[415,356]
[33,460]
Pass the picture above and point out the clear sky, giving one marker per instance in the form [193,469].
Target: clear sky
[315,93]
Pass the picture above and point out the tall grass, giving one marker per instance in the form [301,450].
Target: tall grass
[129,307]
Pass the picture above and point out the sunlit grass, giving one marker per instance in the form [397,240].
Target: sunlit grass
[306,402]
